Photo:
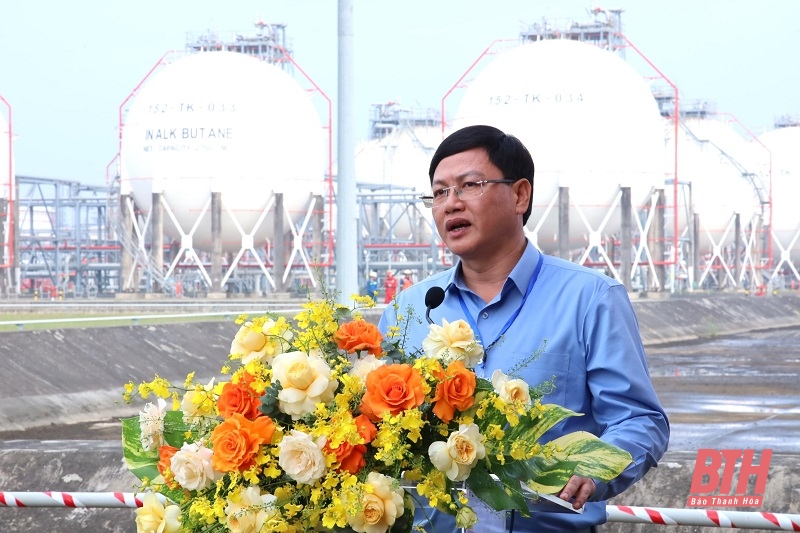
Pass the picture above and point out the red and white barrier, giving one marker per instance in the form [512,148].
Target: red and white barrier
[71,499]
[616,513]
[703,517]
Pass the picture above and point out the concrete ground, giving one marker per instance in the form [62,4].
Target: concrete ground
[59,429]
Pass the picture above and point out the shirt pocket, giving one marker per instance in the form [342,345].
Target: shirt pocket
[549,366]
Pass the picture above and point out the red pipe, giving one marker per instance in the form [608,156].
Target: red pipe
[472,66]
[753,136]
[402,246]
[330,155]
[131,95]
[108,169]
[10,206]
[675,120]
[95,247]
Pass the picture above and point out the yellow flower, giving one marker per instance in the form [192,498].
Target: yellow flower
[249,343]
[154,517]
[199,403]
[514,391]
[247,510]
[453,342]
[494,431]
[466,518]
[128,389]
[380,507]
[159,386]
[305,381]
[291,509]
[412,422]
[459,454]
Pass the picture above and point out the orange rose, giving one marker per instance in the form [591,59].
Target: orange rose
[165,454]
[359,335]
[392,389]
[366,429]
[239,398]
[355,460]
[236,442]
[454,390]
[351,456]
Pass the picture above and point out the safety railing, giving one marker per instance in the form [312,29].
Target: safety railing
[616,513]
[136,319]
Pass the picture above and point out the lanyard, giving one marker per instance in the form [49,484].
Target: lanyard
[510,320]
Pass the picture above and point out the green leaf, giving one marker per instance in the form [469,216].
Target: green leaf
[493,493]
[142,463]
[547,476]
[579,453]
[595,458]
[531,430]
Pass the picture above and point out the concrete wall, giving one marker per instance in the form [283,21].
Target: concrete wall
[76,375]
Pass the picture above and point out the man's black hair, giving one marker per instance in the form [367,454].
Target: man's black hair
[506,152]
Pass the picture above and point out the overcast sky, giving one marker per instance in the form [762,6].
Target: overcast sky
[65,67]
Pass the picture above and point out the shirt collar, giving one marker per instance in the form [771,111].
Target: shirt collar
[520,275]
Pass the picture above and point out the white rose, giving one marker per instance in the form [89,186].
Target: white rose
[154,516]
[301,458]
[191,466]
[305,381]
[459,454]
[379,508]
[452,342]
[511,390]
[250,343]
[198,405]
[248,510]
[363,366]
[151,425]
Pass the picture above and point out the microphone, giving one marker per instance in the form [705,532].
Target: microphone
[433,299]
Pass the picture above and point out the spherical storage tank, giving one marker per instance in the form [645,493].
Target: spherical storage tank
[589,120]
[784,146]
[229,123]
[721,167]
[399,162]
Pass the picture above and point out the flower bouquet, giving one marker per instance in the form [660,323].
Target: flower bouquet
[321,422]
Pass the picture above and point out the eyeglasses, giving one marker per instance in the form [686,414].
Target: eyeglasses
[468,190]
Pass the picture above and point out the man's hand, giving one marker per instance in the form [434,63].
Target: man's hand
[580,488]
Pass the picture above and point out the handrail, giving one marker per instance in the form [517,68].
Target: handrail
[615,513]
[703,517]
[133,318]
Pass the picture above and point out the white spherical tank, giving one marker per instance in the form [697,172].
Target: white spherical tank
[721,167]
[589,120]
[229,123]
[784,147]
[398,163]
[6,160]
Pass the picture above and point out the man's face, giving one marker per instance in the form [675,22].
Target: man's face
[480,226]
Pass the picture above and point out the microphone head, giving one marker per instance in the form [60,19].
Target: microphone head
[434,297]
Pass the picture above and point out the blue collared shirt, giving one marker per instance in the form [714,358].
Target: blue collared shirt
[593,350]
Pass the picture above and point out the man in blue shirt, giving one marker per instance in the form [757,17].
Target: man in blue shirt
[516,298]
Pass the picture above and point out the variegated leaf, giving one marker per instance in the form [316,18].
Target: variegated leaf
[595,458]
[142,463]
[531,429]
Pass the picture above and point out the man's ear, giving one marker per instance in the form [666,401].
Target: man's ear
[523,190]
